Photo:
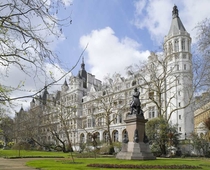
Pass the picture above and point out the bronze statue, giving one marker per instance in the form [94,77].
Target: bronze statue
[136,104]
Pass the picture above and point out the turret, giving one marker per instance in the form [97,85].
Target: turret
[83,74]
[44,96]
[177,49]
[65,86]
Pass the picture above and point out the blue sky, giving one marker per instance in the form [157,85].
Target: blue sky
[121,33]
[93,15]
[118,33]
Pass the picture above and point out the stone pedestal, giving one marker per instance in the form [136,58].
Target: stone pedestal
[135,147]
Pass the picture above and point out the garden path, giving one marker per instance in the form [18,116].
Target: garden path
[15,164]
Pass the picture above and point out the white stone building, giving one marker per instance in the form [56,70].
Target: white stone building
[169,83]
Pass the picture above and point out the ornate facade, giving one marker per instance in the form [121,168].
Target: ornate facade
[94,107]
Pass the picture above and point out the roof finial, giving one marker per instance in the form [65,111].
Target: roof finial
[175,12]
[83,64]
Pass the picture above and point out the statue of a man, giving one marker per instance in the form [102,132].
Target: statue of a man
[136,104]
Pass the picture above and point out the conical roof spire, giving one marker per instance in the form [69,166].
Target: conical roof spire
[176,24]
[21,109]
[82,74]
[65,83]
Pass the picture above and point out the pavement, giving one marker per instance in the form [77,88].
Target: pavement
[15,164]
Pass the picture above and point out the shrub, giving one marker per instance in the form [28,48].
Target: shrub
[117,146]
[10,144]
[128,166]
[107,150]
[1,144]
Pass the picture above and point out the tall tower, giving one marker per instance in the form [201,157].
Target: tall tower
[177,48]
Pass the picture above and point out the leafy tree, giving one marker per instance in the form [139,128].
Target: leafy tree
[200,144]
[161,135]
[7,129]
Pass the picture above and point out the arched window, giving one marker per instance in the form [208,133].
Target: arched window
[125,136]
[96,136]
[89,138]
[105,136]
[115,136]
[82,138]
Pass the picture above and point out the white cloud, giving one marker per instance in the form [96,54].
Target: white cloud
[30,85]
[156,16]
[35,78]
[107,54]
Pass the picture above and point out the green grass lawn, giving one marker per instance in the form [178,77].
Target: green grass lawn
[24,153]
[81,163]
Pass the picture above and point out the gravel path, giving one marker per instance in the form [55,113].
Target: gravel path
[15,164]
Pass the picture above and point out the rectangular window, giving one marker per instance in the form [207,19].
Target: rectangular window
[170,48]
[100,121]
[120,118]
[84,124]
[177,67]
[180,117]
[114,118]
[89,122]
[151,112]
[94,122]
[179,104]
[176,45]
[185,67]
[183,44]
[180,129]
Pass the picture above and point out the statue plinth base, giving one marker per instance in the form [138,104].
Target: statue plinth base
[135,150]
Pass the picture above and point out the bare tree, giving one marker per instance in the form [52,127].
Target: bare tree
[201,60]
[203,36]
[27,31]
[65,116]
[108,105]
[159,79]
[48,124]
